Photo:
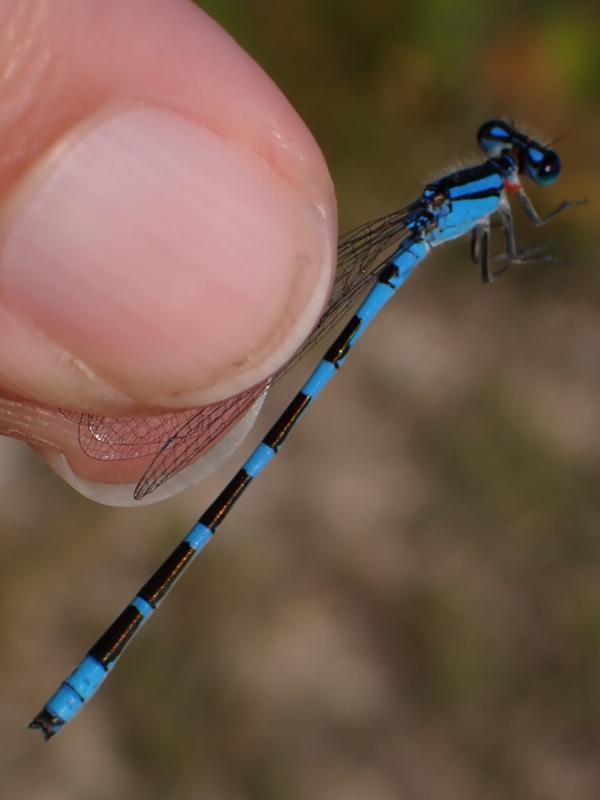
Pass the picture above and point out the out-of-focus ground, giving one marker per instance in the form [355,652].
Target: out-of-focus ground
[408,604]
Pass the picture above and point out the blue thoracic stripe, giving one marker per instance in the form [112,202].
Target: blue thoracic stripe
[456,204]
[490,183]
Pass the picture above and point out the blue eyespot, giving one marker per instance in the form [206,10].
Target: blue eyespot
[495,136]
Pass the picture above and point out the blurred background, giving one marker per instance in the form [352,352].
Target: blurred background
[408,604]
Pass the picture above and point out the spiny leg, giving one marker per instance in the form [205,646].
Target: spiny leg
[512,254]
[533,215]
[480,252]
[476,236]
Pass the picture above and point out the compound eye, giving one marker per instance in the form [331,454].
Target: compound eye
[542,166]
[495,136]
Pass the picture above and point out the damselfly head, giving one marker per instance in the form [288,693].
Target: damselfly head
[540,164]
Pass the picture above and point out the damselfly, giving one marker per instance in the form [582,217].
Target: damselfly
[384,252]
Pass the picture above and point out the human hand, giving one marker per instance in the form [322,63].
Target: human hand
[167,223]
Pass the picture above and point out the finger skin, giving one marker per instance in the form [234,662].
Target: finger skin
[167,222]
